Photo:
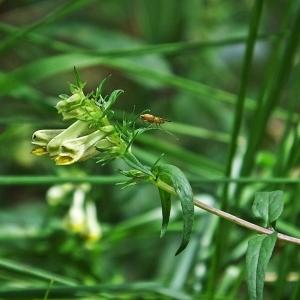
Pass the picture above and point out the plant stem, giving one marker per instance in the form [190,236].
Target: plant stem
[111,179]
[35,180]
[229,217]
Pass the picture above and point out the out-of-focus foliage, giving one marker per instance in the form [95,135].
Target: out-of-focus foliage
[183,61]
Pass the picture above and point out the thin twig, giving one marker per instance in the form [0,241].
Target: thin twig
[231,218]
[244,223]
[28,180]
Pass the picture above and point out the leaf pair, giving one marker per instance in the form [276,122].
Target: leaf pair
[267,206]
[175,178]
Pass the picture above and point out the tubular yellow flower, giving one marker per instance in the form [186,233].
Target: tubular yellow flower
[92,230]
[80,148]
[91,134]
[76,215]
[73,131]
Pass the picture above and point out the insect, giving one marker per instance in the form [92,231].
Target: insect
[153,119]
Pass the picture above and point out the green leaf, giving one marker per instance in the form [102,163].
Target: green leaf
[260,248]
[112,99]
[268,206]
[165,199]
[175,177]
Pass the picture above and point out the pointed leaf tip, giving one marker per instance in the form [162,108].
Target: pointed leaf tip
[175,177]
[259,252]
[268,206]
[165,198]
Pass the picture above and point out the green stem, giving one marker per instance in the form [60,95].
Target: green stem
[111,179]
[166,48]
[164,186]
[39,180]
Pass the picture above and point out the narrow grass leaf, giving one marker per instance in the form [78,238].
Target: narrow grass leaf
[283,65]
[256,13]
[34,272]
[260,248]
[58,12]
[165,48]
[50,66]
[144,290]
[46,67]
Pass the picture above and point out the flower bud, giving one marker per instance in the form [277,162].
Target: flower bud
[68,107]
[78,106]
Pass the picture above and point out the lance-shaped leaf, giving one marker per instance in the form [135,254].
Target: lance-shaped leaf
[268,206]
[165,199]
[260,248]
[175,177]
[112,99]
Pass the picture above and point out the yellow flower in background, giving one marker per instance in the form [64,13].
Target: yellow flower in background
[75,219]
[57,193]
[92,230]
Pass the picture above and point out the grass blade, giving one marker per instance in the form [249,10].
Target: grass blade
[31,271]
[59,12]
[238,116]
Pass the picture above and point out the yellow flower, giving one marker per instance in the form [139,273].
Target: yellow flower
[78,149]
[76,215]
[73,131]
[93,230]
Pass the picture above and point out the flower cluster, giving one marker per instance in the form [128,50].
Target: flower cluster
[91,134]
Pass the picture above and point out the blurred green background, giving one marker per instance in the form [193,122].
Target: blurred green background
[183,61]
